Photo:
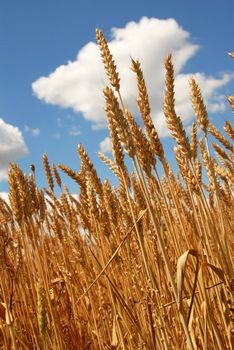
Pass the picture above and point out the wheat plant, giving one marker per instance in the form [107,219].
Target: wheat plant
[147,264]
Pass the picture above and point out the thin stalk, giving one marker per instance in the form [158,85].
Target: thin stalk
[169,273]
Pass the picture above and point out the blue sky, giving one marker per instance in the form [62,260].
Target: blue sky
[49,96]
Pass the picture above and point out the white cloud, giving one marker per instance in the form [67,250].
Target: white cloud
[74,131]
[78,84]
[32,131]
[5,196]
[12,147]
[105,145]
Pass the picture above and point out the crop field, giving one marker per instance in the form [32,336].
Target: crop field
[146,264]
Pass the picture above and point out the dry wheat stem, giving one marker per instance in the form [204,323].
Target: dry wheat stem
[72,273]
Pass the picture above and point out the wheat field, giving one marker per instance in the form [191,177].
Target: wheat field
[147,264]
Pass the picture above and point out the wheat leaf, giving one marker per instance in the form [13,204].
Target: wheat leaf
[181,267]
[114,341]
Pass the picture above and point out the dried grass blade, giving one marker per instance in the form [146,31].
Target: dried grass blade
[114,341]
[181,267]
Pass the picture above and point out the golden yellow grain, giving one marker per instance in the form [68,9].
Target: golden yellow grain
[116,116]
[231,54]
[231,101]
[32,188]
[199,106]
[229,129]
[89,169]
[144,106]
[208,164]
[111,165]
[117,149]
[42,204]
[144,150]
[174,122]
[14,196]
[108,61]
[41,311]
[185,170]
[71,173]
[48,172]
[110,203]
[220,151]
[217,134]
[193,145]
[56,175]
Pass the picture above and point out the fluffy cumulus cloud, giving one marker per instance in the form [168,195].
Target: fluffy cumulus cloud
[78,84]
[12,147]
